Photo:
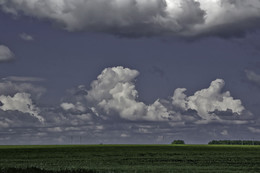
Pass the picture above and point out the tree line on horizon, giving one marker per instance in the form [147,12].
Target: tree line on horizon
[234,142]
[225,142]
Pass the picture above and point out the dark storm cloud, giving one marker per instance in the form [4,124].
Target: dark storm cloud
[145,17]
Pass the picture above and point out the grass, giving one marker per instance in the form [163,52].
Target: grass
[130,158]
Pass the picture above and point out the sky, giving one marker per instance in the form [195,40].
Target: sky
[129,71]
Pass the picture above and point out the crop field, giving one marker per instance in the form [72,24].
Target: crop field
[129,158]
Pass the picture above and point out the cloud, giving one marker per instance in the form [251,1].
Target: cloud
[16,119]
[54,129]
[253,77]
[5,54]
[20,102]
[22,79]
[123,135]
[109,111]
[144,18]
[74,107]
[17,108]
[26,37]
[224,133]
[10,88]
[114,93]
[67,106]
[209,100]
[254,130]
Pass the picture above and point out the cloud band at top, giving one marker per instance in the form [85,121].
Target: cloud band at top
[188,18]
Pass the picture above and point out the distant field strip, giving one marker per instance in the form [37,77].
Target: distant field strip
[130,158]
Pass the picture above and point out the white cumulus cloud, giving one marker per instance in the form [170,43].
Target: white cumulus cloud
[114,93]
[20,102]
[207,101]
[144,17]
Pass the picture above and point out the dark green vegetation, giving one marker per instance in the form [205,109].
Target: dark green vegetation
[130,158]
[234,142]
[178,142]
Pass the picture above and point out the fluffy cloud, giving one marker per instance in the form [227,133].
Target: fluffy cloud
[16,102]
[110,112]
[5,54]
[20,102]
[253,77]
[114,93]
[26,37]
[143,17]
[207,101]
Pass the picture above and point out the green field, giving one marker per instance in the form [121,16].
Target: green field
[130,158]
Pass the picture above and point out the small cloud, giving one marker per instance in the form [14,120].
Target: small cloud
[224,133]
[143,130]
[84,117]
[26,37]
[5,54]
[160,138]
[54,129]
[99,127]
[123,135]
[253,77]
[254,130]
[69,106]
[4,124]
[23,79]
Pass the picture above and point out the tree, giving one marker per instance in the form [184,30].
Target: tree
[178,142]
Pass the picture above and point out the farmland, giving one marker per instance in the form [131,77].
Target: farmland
[130,158]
